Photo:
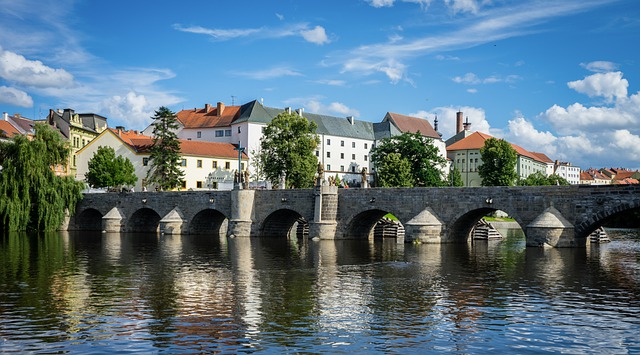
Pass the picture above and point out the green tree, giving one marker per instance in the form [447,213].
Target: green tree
[288,146]
[165,158]
[498,163]
[455,178]
[107,170]
[540,179]
[394,171]
[32,196]
[423,156]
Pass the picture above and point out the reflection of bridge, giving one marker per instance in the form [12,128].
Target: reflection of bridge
[560,216]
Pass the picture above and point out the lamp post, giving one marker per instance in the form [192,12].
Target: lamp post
[240,149]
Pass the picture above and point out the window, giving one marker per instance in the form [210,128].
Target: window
[184,162]
[366,146]
[214,164]
[83,143]
[238,129]
[353,157]
[328,154]
[145,161]
[342,143]
[227,133]
[199,163]
[219,133]
[341,167]
[227,165]
[184,184]
[214,185]
[317,153]
[199,134]
[74,160]
[199,184]
[328,167]
[328,141]
[366,157]
[341,155]
[242,166]
[353,144]
[353,168]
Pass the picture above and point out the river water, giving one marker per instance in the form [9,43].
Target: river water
[112,293]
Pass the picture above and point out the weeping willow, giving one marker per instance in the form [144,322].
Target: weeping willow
[32,196]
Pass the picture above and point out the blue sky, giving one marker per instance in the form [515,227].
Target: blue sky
[559,77]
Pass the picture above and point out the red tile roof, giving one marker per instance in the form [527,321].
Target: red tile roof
[476,141]
[141,144]
[7,129]
[201,118]
[585,176]
[542,157]
[413,125]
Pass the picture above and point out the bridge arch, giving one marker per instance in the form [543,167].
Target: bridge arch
[284,223]
[605,216]
[370,223]
[89,219]
[460,231]
[144,220]
[209,221]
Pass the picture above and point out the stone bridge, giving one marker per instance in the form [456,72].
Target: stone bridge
[558,216]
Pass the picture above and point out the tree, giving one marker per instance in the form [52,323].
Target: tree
[540,179]
[32,196]
[288,146]
[394,171]
[498,163]
[165,158]
[422,155]
[107,170]
[455,178]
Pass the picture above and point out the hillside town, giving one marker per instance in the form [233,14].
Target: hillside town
[218,141]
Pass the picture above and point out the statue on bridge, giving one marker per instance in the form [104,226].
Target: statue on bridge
[320,178]
[246,179]
[363,173]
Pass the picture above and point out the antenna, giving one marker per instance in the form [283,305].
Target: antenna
[233,100]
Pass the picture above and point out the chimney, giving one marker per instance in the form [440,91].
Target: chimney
[5,116]
[467,125]
[287,110]
[458,122]
[220,109]
[300,111]
[351,120]
[17,115]
[120,129]
[207,108]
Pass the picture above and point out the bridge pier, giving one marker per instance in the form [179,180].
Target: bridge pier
[241,221]
[173,223]
[424,228]
[551,229]
[113,221]
[324,223]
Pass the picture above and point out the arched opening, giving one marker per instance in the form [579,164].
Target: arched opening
[89,220]
[484,224]
[605,227]
[374,224]
[144,220]
[209,221]
[285,223]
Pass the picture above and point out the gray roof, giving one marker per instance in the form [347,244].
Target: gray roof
[328,125]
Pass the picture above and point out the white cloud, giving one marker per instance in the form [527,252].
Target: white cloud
[135,107]
[473,79]
[627,144]
[331,82]
[22,71]
[381,3]
[522,132]
[472,91]
[15,97]
[599,66]
[607,85]
[280,16]
[469,79]
[271,73]
[314,104]
[342,109]
[447,118]
[316,35]
[463,5]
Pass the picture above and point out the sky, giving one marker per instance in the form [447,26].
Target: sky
[561,77]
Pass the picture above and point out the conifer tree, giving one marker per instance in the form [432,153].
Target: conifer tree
[165,158]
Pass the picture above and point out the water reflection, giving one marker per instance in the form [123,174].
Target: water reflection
[144,292]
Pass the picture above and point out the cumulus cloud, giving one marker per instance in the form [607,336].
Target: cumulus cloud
[315,104]
[316,35]
[342,109]
[599,66]
[15,97]
[456,6]
[522,132]
[447,118]
[607,85]
[22,71]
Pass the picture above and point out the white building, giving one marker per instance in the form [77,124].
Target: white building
[345,143]
[567,171]
[206,165]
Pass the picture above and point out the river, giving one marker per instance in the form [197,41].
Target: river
[112,293]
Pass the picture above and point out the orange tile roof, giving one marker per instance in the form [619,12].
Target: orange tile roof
[476,141]
[413,125]
[542,157]
[624,174]
[200,118]
[584,176]
[8,129]
[141,144]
